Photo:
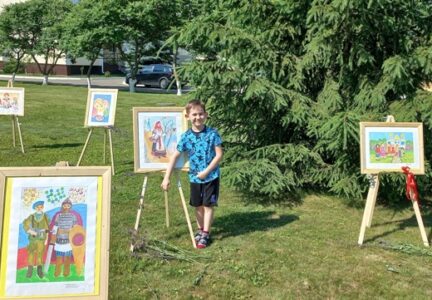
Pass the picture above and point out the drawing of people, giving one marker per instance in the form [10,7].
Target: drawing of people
[5,102]
[36,225]
[377,151]
[158,147]
[100,109]
[383,150]
[61,226]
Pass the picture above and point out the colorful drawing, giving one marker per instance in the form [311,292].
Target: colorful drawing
[49,231]
[101,106]
[388,146]
[12,101]
[157,131]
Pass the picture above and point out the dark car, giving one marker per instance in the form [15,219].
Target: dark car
[159,75]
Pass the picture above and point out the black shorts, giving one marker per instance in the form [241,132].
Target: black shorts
[206,194]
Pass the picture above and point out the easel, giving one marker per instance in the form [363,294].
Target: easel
[185,210]
[107,132]
[15,125]
[371,201]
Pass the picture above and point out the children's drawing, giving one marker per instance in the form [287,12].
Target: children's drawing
[101,106]
[157,131]
[51,239]
[12,101]
[388,146]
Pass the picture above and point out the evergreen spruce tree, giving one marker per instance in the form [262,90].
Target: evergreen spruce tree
[287,83]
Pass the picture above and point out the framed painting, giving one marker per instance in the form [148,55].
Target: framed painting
[156,133]
[12,101]
[101,107]
[54,224]
[388,146]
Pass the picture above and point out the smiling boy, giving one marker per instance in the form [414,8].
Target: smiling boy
[203,145]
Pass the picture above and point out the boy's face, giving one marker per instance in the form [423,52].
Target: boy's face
[198,117]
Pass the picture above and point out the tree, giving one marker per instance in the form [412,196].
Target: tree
[41,22]
[12,35]
[287,82]
[88,30]
[142,27]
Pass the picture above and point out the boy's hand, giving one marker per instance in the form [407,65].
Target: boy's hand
[202,175]
[165,184]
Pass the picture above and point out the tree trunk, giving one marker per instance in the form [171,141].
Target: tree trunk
[13,77]
[174,65]
[89,73]
[45,79]
[132,83]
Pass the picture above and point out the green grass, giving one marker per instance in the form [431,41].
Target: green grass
[308,251]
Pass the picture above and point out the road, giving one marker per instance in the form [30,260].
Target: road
[97,82]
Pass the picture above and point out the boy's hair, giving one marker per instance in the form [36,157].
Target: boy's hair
[195,102]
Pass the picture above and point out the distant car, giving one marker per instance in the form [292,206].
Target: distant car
[160,75]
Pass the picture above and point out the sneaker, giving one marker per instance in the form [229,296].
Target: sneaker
[198,235]
[204,241]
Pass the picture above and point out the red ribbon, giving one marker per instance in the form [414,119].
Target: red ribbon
[411,185]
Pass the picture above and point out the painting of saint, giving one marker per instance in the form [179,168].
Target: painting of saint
[157,131]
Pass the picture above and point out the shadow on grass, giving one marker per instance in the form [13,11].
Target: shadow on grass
[245,222]
[403,224]
[56,146]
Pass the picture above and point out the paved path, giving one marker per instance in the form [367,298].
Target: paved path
[97,82]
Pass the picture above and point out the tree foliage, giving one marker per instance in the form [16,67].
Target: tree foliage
[39,30]
[11,35]
[88,29]
[287,83]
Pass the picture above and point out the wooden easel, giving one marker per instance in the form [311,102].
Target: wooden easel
[167,222]
[107,132]
[15,125]
[371,201]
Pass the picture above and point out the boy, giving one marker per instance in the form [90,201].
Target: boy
[204,148]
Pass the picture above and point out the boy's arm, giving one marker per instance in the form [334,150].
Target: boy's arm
[213,164]
[166,181]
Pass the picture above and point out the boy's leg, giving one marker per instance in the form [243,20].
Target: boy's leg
[208,218]
[199,214]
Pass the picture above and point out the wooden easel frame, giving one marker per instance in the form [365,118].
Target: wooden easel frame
[371,201]
[167,222]
[107,132]
[16,128]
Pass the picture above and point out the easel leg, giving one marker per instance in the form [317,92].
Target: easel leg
[13,132]
[166,209]
[85,146]
[19,134]
[141,205]
[111,150]
[104,146]
[370,203]
[186,211]
[420,223]
[375,182]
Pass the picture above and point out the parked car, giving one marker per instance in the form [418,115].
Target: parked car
[160,75]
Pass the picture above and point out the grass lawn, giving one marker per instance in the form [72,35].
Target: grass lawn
[259,252]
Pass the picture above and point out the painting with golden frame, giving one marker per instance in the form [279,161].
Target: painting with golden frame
[12,101]
[388,146]
[101,107]
[54,224]
[157,131]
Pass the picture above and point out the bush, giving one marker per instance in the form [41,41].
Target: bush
[9,67]
[107,74]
